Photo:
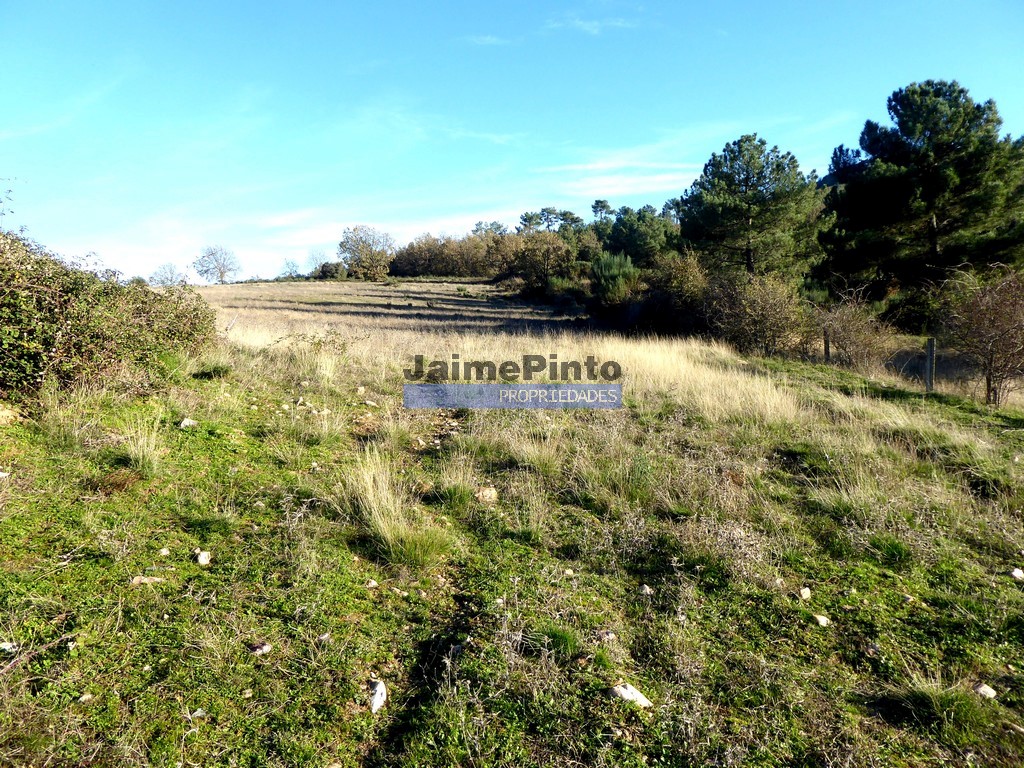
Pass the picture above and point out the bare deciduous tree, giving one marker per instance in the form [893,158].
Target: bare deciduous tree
[166,275]
[984,321]
[317,257]
[216,264]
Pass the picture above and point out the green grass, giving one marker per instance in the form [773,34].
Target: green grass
[900,512]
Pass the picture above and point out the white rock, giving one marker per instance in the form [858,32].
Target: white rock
[199,713]
[165,552]
[85,698]
[203,557]
[4,475]
[1018,574]
[370,404]
[360,390]
[9,647]
[627,692]
[378,695]
[646,589]
[324,639]
[138,580]
[823,621]
[487,494]
[805,593]
[570,572]
[399,592]
[188,424]
[261,649]
[247,693]
[984,691]
[371,584]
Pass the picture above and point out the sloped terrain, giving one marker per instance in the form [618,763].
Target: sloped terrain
[795,564]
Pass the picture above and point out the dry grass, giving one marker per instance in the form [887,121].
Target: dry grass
[140,443]
[375,491]
[382,335]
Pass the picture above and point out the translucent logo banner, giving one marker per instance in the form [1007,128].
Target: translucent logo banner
[513,396]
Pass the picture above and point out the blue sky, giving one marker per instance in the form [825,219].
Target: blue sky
[144,131]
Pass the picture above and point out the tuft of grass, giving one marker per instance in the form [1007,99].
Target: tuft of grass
[385,505]
[140,447]
[67,421]
[951,713]
[890,550]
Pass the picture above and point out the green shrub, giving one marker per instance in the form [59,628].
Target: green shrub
[678,295]
[614,278]
[65,324]
[760,314]
[329,270]
[540,257]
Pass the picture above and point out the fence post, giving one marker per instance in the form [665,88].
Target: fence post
[828,348]
[929,366]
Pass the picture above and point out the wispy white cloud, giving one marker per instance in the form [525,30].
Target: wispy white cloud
[458,132]
[615,163]
[589,26]
[487,40]
[405,125]
[667,165]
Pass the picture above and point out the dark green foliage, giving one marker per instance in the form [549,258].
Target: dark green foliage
[678,292]
[64,324]
[937,189]
[541,257]
[753,210]
[614,278]
[642,235]
[329,270]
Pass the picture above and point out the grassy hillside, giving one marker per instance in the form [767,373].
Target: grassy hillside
[797,565]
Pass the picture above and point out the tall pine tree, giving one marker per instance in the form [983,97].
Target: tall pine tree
[937,189]
[753,210]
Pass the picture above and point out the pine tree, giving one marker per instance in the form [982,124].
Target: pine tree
[937,189]
[752,209]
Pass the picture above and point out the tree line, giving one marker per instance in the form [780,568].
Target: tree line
[938,189]
[756,250]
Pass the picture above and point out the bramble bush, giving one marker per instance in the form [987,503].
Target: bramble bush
[760,314]
[63,324]
[858,337]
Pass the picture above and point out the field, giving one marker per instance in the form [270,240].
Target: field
[796,564]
